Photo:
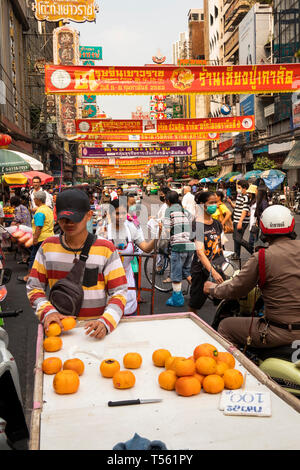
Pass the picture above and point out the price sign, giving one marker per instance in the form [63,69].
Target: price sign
[246,403]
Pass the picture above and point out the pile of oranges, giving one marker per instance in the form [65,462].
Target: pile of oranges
[207,368]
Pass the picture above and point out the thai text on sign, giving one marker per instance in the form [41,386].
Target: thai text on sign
[202,125]
[187,136]
[118,152]
[172,80]
[73,10]
[124,161]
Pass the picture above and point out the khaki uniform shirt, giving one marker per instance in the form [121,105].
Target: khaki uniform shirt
[281,292]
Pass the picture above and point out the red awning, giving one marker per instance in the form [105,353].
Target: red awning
[44,177]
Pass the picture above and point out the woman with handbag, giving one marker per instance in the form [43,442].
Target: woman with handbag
[208,257]
[223,214]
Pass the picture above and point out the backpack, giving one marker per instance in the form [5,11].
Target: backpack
[67,294]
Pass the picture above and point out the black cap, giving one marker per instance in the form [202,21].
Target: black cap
[72,204]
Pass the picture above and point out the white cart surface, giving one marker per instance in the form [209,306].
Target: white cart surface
[84,421]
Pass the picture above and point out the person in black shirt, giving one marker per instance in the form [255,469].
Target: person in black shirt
[208,257]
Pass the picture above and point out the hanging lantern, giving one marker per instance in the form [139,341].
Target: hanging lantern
[5,141]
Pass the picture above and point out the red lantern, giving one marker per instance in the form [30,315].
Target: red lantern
[5,141]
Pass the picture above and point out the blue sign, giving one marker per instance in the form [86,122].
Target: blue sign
[90,52]
[89,111]
[90,98]
[247,109]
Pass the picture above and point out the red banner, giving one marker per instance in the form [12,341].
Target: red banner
[184,137]
[169,126]
[172,80]
[124,161]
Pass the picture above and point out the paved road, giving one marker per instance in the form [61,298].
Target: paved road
[23,330]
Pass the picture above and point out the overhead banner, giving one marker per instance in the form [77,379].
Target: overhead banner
[179,137]
[69,10]
[136,152]
[124,161]
[236,79]
[134,127]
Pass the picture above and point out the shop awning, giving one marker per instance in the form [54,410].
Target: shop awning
[292,161]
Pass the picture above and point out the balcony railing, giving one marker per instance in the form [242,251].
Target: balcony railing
[232,42]
[235,14]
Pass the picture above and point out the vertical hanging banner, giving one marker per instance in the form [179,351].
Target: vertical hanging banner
[66,52]
[236,79]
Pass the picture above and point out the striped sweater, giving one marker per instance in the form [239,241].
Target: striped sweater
[105,300]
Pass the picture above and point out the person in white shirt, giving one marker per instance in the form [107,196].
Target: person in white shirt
[36,183]
[113,195]
[188,200]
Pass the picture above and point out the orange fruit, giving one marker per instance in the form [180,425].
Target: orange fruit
[132,361]
[53,330]
[233,379]
[52,344]
[123,379]
[227,358]
[221,367]
[167,380]
[68,323]
[51,365]
[184,367]
[159,357]
[109,367]
[206,365]
[187,386]
[205,349]
[66,382]
[199,377]
[213,384]
[74,364]
[172,364]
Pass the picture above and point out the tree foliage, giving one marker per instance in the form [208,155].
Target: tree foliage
[264,163]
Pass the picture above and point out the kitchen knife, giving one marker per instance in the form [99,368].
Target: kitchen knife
[133,402]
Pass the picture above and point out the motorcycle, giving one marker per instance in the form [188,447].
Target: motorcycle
[281,364]
[296,207]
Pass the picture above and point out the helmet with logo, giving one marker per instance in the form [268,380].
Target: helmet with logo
[277,220]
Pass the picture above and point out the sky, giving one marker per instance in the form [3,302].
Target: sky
[131,32]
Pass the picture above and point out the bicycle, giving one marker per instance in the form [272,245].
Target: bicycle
[162,273]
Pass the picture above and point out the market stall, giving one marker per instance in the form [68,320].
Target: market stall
[85,421]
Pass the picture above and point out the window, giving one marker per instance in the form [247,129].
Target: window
[216,12]
[211,20]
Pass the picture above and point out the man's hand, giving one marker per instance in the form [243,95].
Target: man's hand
[98,328]
[239,226]
[54,317]
[217,277]
[207,286]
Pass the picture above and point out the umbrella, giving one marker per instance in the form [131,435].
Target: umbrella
[12,162]
[273,178]
[26,177]
[253,174]
[44,177]
[206,180]
[237,177]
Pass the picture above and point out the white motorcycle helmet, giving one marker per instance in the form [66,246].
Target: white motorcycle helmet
[277,220]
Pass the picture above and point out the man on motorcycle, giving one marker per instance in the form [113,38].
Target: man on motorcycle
[276,270]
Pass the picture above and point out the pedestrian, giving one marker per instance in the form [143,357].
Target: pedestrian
[124,234]
[113,194]
[21,213]
[188,200]
[223,214]
[42,227]
[104,282]
[179,224]
[37,186]
[208,257]
[120,191]
[241,216]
